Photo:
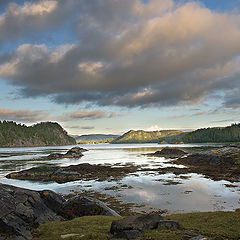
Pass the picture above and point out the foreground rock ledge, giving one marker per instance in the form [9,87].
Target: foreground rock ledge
[73,172]
[23,210]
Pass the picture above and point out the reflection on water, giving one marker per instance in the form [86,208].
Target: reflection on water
[190,192]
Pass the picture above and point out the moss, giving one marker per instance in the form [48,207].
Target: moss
[213,225]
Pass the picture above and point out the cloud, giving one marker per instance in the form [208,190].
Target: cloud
[154,128]
[96,114]
[22,115]
[87,127]
[139,54]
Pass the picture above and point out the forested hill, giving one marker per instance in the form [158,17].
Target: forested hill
[141,136]
[41,134]
[216,135]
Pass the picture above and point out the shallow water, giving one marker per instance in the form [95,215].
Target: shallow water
[193,192]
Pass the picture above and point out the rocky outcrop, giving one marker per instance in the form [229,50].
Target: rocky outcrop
[72,173]
[207,158]
[218,164]
[133,226]
[84,206]
[169,153]
[75,152]
[22,210]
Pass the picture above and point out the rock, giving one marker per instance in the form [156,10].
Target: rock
[194,236]
[23,210]
[128,234]
[75,152]
[70,235]
[207,158]
[169,152]
[168,224]
[72,173]
[138,222]
[85,206]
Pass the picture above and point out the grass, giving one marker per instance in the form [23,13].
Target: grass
[213,225]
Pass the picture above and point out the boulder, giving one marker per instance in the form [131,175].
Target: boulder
[23,210]
[139,222]
[85,206]
[169,152]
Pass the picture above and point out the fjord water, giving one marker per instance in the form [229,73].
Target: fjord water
[148,189]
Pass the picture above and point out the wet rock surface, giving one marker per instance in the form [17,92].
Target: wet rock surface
[218,164]
[169,152]
[75,152]
[83,171]
[23,210]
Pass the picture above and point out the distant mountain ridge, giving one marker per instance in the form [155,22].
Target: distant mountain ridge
[41,134]
[95,137]
[141,136]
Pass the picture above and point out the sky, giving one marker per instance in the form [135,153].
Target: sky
[108,66]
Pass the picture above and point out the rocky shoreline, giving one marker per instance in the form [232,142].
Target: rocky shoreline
[23,210]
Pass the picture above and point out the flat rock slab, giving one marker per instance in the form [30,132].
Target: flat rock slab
[83,171]
[23,210]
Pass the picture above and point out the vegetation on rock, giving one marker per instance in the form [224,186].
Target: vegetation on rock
[41,134]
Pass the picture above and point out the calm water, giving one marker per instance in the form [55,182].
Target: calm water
[195,193]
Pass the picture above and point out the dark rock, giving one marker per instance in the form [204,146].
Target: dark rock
[72,173]
[128,234]
[169,152]
[75,152]
[138,222]
[85,206]
[22,210]
[207,158]
[168,224]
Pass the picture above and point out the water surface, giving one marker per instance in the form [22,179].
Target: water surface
[147,188]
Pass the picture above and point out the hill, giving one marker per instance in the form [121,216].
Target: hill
[141,136]
[215,135]
[96,138]
[41,134]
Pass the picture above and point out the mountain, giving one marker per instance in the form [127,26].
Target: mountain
[41,134]
[215,135]
[94,137]
[141,136]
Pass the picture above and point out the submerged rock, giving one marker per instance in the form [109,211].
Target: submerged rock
[72,173]
[23,210]
[169,152]
[75,152]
